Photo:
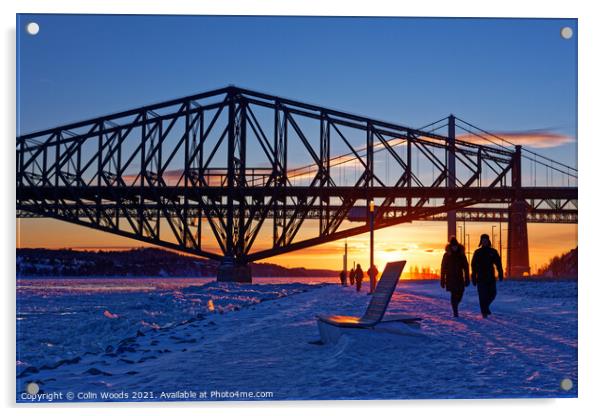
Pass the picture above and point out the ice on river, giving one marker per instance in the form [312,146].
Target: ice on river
[257,338]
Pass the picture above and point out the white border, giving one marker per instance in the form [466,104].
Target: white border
[590,151]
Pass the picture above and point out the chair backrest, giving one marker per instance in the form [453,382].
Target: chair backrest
[383,292]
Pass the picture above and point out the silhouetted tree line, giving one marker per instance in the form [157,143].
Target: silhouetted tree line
[140,262]
[565,265]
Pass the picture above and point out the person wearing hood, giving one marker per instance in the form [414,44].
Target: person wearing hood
[359,277]
[454,272]
[484,260]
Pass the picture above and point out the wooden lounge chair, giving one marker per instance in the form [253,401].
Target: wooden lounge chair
[330,326]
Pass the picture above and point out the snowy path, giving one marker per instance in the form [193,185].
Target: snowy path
[524,350]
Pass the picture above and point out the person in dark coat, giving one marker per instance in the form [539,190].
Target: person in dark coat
[484,260]
[454,272]
[343,277]
[359,276]
[372,274]
[351,276]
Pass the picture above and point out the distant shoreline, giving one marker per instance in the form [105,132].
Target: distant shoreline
[514,279]
[154,263]
[137,263]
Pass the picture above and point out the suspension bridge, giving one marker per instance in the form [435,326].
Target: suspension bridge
[243,171]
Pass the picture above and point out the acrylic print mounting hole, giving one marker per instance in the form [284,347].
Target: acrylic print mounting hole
[566,384]
[33,388]
[566,33]
[32,28]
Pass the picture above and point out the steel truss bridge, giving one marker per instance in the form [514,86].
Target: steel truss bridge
[232,167]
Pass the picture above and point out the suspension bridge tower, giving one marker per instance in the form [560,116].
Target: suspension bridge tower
[518,243]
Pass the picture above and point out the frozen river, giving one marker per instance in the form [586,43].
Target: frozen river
[123,336]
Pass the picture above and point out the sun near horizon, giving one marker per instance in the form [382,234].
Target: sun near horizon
[421,243]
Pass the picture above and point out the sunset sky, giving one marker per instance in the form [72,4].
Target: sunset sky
[420,243]
[514,77]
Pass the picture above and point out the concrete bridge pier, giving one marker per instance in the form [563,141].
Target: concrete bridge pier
[232,271]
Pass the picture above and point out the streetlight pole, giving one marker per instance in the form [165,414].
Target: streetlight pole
[501,244]
[493,236]
[501,236]
[371,269]
[345,263]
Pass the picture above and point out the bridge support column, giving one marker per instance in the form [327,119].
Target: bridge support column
[517,259]
[517,263]
[231,271]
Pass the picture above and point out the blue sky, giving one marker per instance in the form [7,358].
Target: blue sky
[506,75]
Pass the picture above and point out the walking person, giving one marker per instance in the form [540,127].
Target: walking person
[454,272]
[352,277]
[372,273]
[484,260]
[359,276]
[343,277]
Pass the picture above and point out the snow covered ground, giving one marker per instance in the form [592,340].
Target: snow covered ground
[225,340]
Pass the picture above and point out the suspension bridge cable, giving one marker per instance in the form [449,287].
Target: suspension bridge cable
[434,122]
[482,137]
[512,144]
[535,155]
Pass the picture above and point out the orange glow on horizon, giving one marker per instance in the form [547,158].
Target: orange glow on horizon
[421,243]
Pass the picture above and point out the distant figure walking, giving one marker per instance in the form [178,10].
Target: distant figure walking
[359,276]
[372,273]
[454,272]
[485,258]
[352,277]
[343,277]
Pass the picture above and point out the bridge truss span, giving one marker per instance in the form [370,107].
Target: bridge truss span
[239,176]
